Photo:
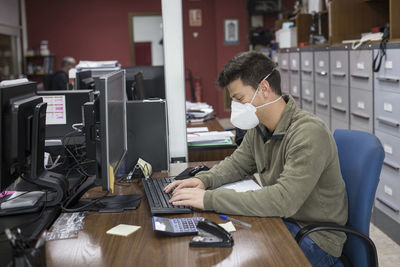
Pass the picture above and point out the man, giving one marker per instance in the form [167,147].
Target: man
[60,79]
[292,150]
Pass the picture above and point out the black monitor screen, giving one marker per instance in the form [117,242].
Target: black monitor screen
[153,80]
[113,136]
[18,103]
[84,80]
[64,108]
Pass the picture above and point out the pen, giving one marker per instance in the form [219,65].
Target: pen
[235,221]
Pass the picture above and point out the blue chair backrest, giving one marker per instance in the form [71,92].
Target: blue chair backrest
[361,157]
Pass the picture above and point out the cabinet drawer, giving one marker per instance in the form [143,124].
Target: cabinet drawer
[340,102]
[391,145]
[339,70]
[307,65]
[321,66]
[307,95]
[284,61]
[294,58]
[361,69]
[322,102]
[387,112]
[295,85]
[361,109]
[388,77]
[325,118]
[339,124]
[388,194]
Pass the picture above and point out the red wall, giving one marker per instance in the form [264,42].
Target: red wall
[99,30]
[85,30]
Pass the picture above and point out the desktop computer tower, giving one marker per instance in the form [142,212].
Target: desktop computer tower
[148,133]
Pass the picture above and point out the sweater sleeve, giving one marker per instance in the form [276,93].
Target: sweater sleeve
[306,157]
[233,168]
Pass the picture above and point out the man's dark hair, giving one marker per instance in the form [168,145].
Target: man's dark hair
[251,68]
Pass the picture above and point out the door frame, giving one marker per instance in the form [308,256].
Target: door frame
[131,34]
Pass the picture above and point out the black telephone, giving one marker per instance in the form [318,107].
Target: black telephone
[211,234]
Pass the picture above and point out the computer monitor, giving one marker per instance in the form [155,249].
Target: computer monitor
[22,121]
[84,80]
[64,109]
[153,80]
[112,145]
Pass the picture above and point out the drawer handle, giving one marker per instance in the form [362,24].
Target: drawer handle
[307,71]
[339,109]
[338,74]
[391,164]
[387,204]
[363,116]
[359,76]
[284,69]
[322,73]
[388,122]
[388,79]
[294,70]
[295,96]
[322,104]
[307,99]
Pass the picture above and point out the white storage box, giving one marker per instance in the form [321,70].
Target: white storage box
[286,37]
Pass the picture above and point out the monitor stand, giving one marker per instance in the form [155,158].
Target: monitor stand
[104,204]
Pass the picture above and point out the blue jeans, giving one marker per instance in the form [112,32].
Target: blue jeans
[313,252]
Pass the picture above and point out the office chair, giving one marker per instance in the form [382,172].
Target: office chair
[361,157]
[47,78]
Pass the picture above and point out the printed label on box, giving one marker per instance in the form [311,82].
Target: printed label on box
[295,89]
[388,64]
[388,149]
[284,62]
[294,63]
[361,105]
[321,95]
[307,92]
[321,63]
[360,65]
[387,107]
[388,190]
[339,100]
[338,64]
[306,63]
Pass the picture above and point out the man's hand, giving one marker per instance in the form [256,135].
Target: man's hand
[188,197]
[187,183]
[188,192]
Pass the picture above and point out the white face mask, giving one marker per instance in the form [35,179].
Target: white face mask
[243,116]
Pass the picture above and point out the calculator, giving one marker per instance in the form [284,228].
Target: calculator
[176,226]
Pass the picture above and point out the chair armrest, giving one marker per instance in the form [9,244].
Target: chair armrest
[335,227]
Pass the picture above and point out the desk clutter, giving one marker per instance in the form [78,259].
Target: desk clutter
[199,112]
[200,136]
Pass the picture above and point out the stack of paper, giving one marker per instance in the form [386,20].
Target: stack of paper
[209,138]
[99,65]
[198,110]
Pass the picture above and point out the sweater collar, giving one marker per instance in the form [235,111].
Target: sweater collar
[288,112]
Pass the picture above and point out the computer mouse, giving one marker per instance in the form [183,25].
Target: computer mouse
[197,169]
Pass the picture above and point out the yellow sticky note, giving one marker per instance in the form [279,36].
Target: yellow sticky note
[123,230]
[111,179]
[229,227]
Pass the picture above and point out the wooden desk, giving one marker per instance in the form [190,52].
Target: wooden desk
[210,153]
[267,243]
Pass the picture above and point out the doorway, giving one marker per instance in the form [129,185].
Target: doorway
[146,39]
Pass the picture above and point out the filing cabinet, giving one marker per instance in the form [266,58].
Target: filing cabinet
[361,89]
[322,91]
[387,129]
[339,85]
[284,70]
[307,79]
[294,68]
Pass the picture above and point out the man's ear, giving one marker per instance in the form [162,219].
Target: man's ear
[265,88]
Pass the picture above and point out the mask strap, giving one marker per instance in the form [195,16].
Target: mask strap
[269,103]
[265,78]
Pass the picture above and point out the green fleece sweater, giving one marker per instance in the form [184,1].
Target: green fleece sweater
[299,171]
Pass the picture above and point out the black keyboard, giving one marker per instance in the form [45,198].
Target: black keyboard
[158,200]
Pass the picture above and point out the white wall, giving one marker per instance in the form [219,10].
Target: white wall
[149,29]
